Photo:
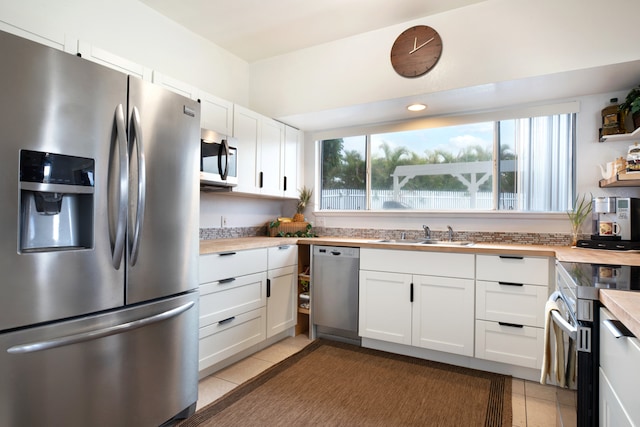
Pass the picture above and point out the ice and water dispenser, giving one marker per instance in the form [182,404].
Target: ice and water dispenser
[56,202]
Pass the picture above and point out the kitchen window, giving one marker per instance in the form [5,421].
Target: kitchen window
[524,164]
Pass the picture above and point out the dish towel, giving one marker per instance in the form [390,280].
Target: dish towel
[558,357]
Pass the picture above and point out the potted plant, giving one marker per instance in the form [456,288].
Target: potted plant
[304,196]
[631,105]
[580,212]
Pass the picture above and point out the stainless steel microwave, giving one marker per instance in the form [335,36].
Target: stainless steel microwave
[218,160]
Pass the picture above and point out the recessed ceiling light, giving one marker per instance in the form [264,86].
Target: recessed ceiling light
[416,107]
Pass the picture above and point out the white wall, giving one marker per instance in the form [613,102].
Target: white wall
[488,42]
[132,30]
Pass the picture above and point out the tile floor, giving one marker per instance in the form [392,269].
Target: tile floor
[534,405]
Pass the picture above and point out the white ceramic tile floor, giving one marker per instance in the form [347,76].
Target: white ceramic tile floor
[534,405]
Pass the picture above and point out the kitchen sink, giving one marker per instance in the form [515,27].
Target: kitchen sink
[447,242]
[425,242]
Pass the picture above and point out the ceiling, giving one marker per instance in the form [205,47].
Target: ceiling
[259,29]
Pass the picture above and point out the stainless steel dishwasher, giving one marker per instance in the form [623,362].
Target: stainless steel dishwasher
[334,292]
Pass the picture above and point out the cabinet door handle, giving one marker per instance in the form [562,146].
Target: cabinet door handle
[511,325]
[411,293]
[617,328]
[510,257]
[268,288]
[222,322]
[225,281]
[227,254]
[285,183]
[510,284]
[261,179]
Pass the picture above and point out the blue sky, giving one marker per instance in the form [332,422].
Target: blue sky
[452,139]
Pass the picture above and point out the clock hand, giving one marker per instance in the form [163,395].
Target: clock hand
[415,43]
[422,45]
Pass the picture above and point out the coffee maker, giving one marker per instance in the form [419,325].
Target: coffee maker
[615,224]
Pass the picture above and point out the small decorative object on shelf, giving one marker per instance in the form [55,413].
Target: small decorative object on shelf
[612,119]
[633,158]
[580,212]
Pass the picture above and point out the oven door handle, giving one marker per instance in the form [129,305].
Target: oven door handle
[557,318]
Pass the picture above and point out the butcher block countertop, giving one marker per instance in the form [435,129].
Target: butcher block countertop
[562,253]
[625,306]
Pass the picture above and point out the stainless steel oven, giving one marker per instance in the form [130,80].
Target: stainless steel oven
[578,286]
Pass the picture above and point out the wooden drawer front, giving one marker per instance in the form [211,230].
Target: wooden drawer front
[222,340]
[620,362]
[516,346]
[418,262]
[507,268]
[523,305]
[221,300]
[224,265]
[283,256]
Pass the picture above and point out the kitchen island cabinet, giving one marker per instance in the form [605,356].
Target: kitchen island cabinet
[431,309]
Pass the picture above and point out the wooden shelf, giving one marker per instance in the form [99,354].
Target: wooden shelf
[621,180]
[621,137]
[303,310]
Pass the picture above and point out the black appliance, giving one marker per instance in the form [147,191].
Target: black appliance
[578,286]
[615,224]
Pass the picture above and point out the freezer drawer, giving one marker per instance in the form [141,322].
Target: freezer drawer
[132,367]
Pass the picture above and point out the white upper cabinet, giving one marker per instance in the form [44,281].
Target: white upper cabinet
[246,130]
[216,113]
[108,59]
[270,155]
[175,85]
[56,40]
[291,162]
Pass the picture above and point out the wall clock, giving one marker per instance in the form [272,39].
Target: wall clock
[416,51]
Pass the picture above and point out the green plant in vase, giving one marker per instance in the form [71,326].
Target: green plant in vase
[581,210]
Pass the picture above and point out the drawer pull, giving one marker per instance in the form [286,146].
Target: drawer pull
[282,247]
[225,321]
[617,328]
[225,281]
[510,257]
[227,253]
[511,325]
[510,284]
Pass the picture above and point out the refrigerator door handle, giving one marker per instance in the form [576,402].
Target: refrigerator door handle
[118,241]
[99,333]
[137,140]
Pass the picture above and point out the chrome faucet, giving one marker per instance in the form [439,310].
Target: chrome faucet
[450,233]
[427,232]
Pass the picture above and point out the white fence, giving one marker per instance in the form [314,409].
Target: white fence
[414,199]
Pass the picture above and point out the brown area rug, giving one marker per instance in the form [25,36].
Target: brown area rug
[335,384]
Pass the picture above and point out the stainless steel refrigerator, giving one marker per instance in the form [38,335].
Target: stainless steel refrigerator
[98,244]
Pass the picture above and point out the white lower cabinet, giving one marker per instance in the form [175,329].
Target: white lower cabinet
[227,337]
[443,314]
[619,376]
[282,289]
[281,300]
[432,312]
[385,306]
[509,343]
[246,297]
[511,293]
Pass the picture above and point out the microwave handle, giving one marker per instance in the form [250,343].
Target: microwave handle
[223,151]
